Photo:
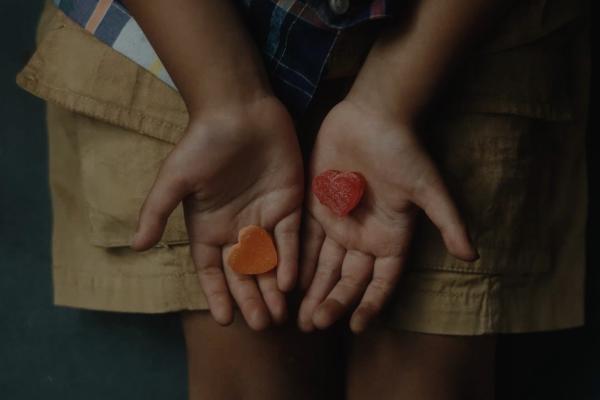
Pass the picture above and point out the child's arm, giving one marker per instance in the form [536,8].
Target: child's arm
[206,50]
[358,259]
[237,164]
[407,64]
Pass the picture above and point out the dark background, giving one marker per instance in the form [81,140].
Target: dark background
[59,353]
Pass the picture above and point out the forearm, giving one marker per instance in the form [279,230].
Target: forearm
[407,63]
[205,49]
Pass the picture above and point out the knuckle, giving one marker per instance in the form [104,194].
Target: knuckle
[269,290]
[220,296]
[217,294]
[326,274]
[331,264]
[171,175]
[151,209]
[352,282]
[382,286]
[251,303]
[243,279]
[286,236]
[210,272]
[311,300]
[426,187]
[369,308]
[179,182]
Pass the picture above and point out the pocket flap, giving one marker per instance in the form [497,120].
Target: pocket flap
[123,122]
[532,80]
[529,20]
[72,68]
[117,168]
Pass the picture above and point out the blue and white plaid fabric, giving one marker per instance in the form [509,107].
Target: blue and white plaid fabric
[296,37]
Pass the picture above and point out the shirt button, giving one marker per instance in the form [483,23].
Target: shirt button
[339,7]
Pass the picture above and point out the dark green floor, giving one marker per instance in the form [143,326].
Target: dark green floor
[56,353]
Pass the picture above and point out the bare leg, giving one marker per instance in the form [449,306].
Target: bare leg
[235,362]
[386,364]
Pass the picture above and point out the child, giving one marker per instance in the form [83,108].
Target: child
[508,146]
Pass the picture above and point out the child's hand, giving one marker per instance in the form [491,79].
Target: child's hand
[239,167]
[358,258]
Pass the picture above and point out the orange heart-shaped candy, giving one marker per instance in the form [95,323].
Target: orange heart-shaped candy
[254,253]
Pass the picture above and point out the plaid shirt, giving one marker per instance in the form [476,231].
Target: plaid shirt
[296,37]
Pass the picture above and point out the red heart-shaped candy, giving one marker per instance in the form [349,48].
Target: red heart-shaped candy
[339,191]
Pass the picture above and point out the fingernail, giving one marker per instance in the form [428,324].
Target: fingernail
[357,327]
[321,319]
[305,325]
[472,244]
[259,321]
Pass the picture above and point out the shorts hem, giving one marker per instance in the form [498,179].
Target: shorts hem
[152,295]
[476,329]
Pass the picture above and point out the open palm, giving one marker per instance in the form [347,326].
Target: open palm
[233,170]
[357,259]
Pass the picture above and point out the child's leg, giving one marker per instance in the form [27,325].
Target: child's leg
[386,364]
[235,362]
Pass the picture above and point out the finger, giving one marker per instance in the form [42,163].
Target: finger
[247,296]
[339,227]
[434,199]
[166,193]
[312,241]
[386,272]
[207,260]
[356,271]
[326,276]
[287,242]
[272,296]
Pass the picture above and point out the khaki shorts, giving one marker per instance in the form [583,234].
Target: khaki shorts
[508,136]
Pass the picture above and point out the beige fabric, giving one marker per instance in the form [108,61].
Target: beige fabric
[508,136]
[99,174]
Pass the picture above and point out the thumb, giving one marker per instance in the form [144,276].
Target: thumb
[166,193]
[433,197]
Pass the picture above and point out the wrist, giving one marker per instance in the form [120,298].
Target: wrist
[261,115]
[380,88]
[377,97]
[226,90]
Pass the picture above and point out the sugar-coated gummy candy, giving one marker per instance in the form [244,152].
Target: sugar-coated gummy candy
[339,191]
[254,253]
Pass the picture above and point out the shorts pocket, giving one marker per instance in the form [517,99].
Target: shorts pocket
[125,122]
[527,21]
[512,178]
[510,145]
[118,168]
[99,82]
[532,80]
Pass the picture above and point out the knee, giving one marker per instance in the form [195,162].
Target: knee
[235,362]
[420,366]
